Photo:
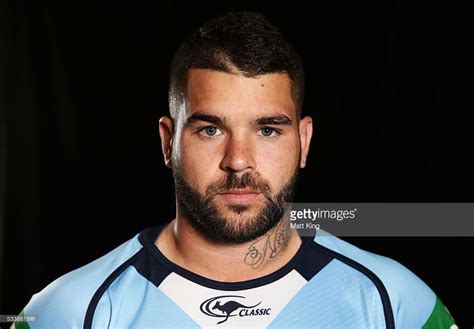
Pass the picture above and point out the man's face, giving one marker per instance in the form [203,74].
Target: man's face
[236,153]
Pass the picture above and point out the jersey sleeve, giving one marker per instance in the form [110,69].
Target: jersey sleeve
[64,302]
[413,302]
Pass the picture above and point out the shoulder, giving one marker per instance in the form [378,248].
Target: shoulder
[63,303]
[412,302]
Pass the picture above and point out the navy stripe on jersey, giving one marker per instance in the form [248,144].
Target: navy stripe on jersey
[388,313]
[104,286]
[312,261]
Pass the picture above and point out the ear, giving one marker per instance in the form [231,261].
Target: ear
[306,132]
[166,126]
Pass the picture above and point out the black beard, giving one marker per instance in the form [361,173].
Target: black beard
[205,217]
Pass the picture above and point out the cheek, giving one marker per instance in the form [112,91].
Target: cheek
[199,164]
[276,163]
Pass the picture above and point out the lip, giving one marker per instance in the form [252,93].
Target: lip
[239,195]
[240,191]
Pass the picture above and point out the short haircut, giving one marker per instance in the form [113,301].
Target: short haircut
[240,43]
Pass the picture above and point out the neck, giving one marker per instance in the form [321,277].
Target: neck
[228,262]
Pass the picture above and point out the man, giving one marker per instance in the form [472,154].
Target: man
[235,141]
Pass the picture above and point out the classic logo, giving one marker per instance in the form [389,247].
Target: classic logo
[226,307]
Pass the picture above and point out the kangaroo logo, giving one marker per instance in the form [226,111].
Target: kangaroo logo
[222,307]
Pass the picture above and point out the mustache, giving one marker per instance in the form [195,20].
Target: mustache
[233,181]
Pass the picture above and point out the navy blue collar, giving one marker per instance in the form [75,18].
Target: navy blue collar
[156,267]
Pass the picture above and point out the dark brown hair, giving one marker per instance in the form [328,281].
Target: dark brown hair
[242,43]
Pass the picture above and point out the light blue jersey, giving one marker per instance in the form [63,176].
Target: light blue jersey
[329,283]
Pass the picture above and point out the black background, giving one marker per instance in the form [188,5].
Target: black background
[82,88]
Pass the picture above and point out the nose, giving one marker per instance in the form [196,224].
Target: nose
[238,155]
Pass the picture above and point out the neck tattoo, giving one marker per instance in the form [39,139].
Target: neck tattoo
[268,246]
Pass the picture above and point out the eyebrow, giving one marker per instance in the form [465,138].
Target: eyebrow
[275,120]
[204,117]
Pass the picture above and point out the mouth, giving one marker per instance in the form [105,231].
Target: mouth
[239,196]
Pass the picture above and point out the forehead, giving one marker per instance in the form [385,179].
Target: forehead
[224,92]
